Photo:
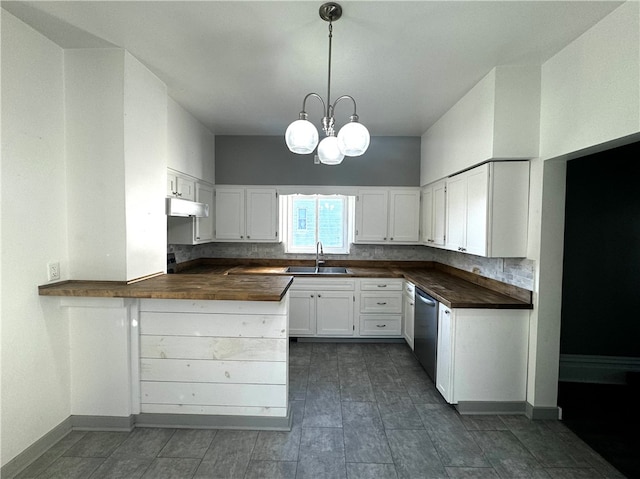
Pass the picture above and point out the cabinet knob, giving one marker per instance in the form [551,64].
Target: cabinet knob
[319,296]
[385,238]
[248,237]
[446,311]
[391,239]
[411,304]
[241,236]
[179,194]
[197,237]
[311,296]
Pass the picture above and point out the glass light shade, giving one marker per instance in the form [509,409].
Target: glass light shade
[328,151]
[301,137]
[353,139]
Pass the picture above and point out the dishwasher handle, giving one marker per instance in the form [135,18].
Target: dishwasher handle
[428,301]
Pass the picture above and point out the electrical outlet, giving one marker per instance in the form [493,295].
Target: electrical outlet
[53,270]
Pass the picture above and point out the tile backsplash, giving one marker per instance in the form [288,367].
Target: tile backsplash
[515,271]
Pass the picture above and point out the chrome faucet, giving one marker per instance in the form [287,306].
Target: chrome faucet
[319,252]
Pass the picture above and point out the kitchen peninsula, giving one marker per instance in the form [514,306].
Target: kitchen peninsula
[208,346]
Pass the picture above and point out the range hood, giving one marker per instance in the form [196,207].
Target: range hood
[180,207]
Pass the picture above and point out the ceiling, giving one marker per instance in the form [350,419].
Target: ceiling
[243,67]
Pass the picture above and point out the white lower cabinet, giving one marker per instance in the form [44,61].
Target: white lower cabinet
[380,307]
[482,355]
[408,312]
[321,307]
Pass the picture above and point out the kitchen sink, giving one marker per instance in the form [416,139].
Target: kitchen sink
[332,270]
[301,269]
[314,270]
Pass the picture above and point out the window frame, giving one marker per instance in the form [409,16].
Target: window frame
[347,225]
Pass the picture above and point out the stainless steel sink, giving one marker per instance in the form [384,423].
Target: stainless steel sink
[314,270]
[301,269]
[332,270]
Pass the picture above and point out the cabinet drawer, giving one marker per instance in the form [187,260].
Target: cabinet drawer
[409,289]
[380,325]
[380,303]
[322,284]
[381,285]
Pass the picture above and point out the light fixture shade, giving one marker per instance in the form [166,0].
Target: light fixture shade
[353,139]
[328,151]
[301,137]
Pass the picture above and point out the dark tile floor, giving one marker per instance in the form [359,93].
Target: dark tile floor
[606,417]
[360,411]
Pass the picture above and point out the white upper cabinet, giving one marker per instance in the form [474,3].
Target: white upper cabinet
[230,217]
[262,214]
[180,186]
[487,210]
[189,230]
[246,214]
[386,215]
[432,232]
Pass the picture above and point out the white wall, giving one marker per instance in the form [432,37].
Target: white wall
[145,166]
[591,89]
[116,112]
[190,145]
[498,118]
[94,90]
[590,96]
[35,335]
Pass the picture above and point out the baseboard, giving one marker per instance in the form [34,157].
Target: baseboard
[35,450]
[128,423]
[538,413]
[491,407]
[103,423]
[204,421]
[596,369]
[312,339]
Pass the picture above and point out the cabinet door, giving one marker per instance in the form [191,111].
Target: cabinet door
[229,218]
[426,217]
[438,213]
[302,313]
[456,212]
[262,214]
[409,316]
[334,313]
[204,226]
[477,210]
[444,364]
[372,216]
[172,184]
[404,216]
[186,188]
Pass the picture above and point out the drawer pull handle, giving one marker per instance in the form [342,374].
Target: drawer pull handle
[381,325]
[382,303]
[382,286]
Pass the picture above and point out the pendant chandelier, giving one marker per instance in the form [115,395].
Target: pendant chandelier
[302,136]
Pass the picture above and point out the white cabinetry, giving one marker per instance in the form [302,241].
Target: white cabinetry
[246,214]
[408,311]
[181,230]
[386,215]
[433,214]
[380,307]
[180,185]
[321,307]
[487,210]
[482,355]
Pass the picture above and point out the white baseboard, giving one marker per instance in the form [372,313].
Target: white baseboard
[597,369]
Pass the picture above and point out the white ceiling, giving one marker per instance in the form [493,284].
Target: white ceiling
[243,67]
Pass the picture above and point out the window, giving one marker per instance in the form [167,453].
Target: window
[313,218]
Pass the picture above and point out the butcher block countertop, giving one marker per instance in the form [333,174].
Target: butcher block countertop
[267,280]
[179,286]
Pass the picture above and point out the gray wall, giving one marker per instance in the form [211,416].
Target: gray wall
[266,160]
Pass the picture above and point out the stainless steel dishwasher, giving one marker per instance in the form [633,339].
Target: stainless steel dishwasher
[426,332]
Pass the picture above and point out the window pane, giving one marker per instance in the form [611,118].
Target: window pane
[303,232]
[331,222]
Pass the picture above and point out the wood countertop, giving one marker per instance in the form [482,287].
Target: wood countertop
[180,286]
[265,280]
